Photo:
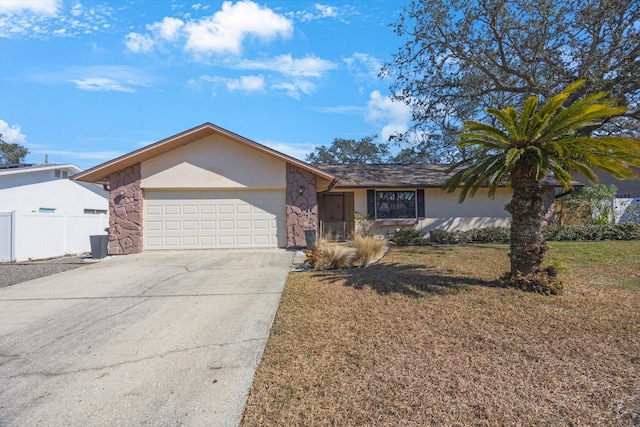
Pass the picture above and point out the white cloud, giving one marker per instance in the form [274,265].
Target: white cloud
[341,109]
[224,31]
[138,43]
[323,11]
[364,66]
[310,66]
[76,10]
[243,83]
[326,11]
[96,78]
[40,7]
[167,29]
[246,83]
[101,84]
[44,18]
[200,6]
[392,115]
[12,134]
[295,88]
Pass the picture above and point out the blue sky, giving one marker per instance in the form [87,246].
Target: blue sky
[86,81]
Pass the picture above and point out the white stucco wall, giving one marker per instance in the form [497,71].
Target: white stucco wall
[213,162]
[63,195]
[442,210]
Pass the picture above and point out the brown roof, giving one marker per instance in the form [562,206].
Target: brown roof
[100,174]
[396,176]
[388,175]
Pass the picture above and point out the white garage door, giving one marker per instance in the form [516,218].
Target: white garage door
[214,219]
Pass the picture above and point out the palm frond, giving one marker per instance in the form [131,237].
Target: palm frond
[543,139]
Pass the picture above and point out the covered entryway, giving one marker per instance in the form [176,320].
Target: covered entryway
[214,219]
[336,215]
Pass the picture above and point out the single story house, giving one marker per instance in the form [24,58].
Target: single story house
[210,188]
[46,189]
[627,189]
[43,214]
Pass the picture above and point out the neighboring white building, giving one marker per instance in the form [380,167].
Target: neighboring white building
[47,189]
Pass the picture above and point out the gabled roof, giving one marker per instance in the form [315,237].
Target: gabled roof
[31,168]
[100,174]
[397,176]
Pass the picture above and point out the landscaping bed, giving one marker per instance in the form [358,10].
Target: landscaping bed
[427,337]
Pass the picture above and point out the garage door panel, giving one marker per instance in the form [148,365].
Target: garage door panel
[154,225]
[171,225]
[214,219]
[172,210]
[190,225]
[209,241]
[208,225]
[226,210]
[190,210]
[207,209]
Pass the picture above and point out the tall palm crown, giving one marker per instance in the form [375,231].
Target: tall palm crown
[545,139]
[524,147]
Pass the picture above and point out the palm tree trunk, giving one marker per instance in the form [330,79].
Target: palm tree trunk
[528,245]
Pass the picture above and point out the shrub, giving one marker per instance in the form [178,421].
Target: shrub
[361,251]
[365,226]
[409,237]
[329,256]
[543,282]
[622,231]
[369,249]
[479,235]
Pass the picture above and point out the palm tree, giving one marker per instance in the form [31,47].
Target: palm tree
[525,147]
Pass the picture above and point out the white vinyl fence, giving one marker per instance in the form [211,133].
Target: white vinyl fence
[31,235]
[627,209]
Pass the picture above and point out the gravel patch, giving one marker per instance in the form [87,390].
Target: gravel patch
[18,272]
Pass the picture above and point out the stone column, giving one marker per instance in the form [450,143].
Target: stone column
[125,212]
[302,205]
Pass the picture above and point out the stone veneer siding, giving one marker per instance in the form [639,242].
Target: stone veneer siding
[125,212]
[302,209]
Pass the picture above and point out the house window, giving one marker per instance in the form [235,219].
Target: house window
[95,211]
[47,210]
[395,204]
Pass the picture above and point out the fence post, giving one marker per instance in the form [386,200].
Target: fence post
[14,215]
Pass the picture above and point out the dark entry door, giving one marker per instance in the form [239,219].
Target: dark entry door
[337,215]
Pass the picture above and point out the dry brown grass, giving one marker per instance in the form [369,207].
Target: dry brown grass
[425,337]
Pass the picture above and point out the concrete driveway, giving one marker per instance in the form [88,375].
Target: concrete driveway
[158,339]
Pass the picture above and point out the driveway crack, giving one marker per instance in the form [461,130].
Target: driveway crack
[85,327]
[133,361]
[186,270]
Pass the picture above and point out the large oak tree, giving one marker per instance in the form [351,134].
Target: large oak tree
[11,153]
[460,57]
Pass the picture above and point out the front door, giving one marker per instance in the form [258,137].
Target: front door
[337,215]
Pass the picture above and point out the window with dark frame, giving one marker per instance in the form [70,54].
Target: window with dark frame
[395,204]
